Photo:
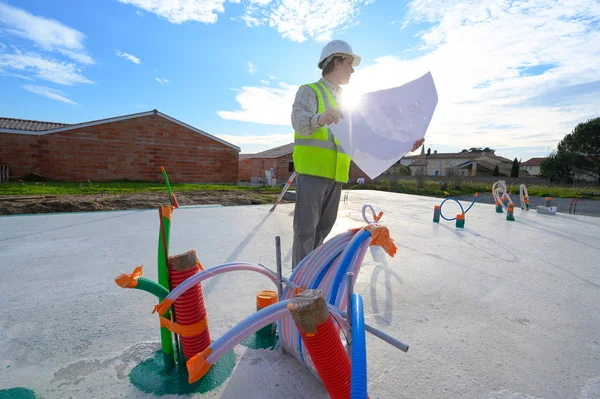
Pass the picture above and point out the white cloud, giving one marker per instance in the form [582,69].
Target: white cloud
[299,20]
[52,94]
[63,73]
[251,68]
[162,81]
[48,34]
[477,53]
[267,105]
[296,20]
[130,57]
[180,11]
[265,82]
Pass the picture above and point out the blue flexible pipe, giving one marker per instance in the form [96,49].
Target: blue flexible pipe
[358,380]
[459,204]
[346,261]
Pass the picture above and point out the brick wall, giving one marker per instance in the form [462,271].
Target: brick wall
[245,169]
[280,165]
[356,173]
[131,149]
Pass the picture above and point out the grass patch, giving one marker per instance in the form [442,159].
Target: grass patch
[117,187]
[433,189]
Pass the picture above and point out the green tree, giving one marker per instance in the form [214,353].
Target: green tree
[556,168]
[496,171]
[514,171]
[581,148]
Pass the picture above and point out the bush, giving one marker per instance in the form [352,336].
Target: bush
[421,177]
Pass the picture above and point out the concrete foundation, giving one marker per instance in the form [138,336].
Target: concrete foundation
[495,310]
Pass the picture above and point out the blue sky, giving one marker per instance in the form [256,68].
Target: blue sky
[514,76]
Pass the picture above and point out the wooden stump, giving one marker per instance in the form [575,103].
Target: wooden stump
[309,310]
[183,261]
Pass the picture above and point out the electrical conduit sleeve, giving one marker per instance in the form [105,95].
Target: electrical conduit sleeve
[245,328]
[150,286]
[358,382]
[213,271]
[347,257]
[164,214]
[200,364]
[190,310]
[330,359]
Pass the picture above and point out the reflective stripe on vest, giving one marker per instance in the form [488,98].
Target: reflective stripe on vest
[320,154]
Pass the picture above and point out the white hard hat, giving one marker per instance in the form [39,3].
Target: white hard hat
[335,47]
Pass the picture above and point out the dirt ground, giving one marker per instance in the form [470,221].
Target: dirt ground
[11,205]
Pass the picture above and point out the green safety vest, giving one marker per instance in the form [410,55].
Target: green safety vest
[320,153]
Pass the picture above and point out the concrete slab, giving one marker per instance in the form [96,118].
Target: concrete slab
[495,310]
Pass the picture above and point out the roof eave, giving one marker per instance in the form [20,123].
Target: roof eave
[19,131]
[271,156]
[117,119]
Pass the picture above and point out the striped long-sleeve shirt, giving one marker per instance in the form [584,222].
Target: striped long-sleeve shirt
[304,111]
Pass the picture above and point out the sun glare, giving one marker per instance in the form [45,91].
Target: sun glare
[351,101]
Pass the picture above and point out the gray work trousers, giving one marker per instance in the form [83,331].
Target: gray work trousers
[317,203]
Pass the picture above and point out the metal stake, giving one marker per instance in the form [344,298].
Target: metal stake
[279,272]
[381,335]
[350,291]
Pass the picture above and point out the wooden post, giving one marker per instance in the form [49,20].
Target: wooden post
[309,310]
[183,262]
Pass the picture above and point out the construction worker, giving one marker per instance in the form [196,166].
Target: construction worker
[321,164]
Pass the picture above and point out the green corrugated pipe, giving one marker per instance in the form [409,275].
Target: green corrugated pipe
[150,286]
[163,280]
[135,280]
[164,172]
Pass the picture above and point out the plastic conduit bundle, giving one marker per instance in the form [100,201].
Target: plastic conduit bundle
[359,350]
[324,269]
[189,310]
[317,269]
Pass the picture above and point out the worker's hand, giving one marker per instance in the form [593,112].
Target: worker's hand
[418,143]
[332,115]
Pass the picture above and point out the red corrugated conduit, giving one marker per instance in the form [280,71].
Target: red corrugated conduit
[330,359]
[190,309]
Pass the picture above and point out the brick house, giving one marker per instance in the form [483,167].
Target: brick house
[533,166]
[280,161]
[244,167]
[129,147]
[480,163]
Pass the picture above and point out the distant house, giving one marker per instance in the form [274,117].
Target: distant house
[279,161]
[533,166]
[245,167]
[132,147]
[480,163]
[407,161]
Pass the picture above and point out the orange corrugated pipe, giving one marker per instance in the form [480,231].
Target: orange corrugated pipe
[330,359]
[190,309]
